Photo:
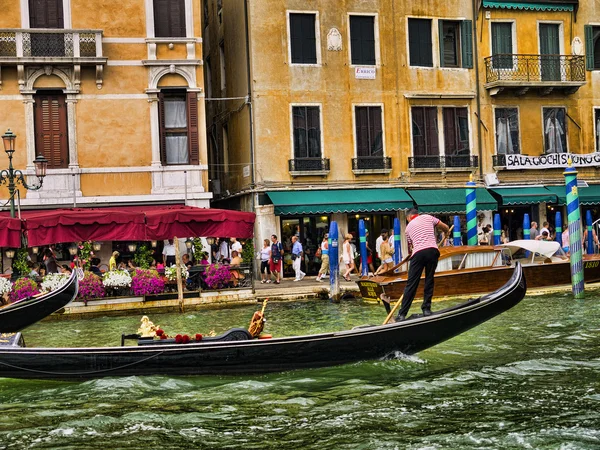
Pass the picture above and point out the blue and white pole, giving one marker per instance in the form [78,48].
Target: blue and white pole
[457,238]
[362,238]
[334,263]
[574,221]
[497,229]
[397,247]
[590,234]
[558,226]
[471,212]
[526,227]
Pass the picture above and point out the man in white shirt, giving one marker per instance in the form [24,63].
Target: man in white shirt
[224,252]
[236,246]
[169,254]
[545,228]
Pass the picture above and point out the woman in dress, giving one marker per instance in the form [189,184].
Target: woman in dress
[348,257]
[387,253]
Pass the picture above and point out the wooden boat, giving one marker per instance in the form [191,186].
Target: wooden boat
[228,356]
[18,316]
[468,270]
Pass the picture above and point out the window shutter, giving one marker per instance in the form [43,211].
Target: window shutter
[314,132]
[466,41]
[193,141]
[177,18]
[589,47]
[51,129]
[161,128]
[441,41]
[449,117]
[362,131]
[376,144]
[310,39]
[368,40]
[46,14]
[355,40]
[433,147]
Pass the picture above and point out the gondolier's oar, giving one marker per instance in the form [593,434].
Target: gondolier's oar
[447,235]
[396,306]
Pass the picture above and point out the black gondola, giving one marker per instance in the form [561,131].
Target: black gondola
[18,316]
[264,355]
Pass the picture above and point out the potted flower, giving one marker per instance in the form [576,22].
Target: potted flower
[90,287]
[218,276]
[23,288]
[53,281]
[5,287]
[171,272]
[117,281]
[146,281]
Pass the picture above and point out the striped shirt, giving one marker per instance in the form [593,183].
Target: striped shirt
[420,233]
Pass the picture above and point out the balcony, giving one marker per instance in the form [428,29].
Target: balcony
[546,73]
[447,163]
[309,166]
[42,47]
[499,160]
[365,165]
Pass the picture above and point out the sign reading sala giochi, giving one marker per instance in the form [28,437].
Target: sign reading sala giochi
[552,160]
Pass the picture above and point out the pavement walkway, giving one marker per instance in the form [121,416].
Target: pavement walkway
[289,289]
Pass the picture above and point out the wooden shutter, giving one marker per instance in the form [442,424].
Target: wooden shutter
[375,131]
[450,131]
[362,131]
[441,41]
[303,39]
[314,132]
[177,18]
[466,42]
[51,129]
[431,127]
[362,40]
[420,45]
[46,14]
[589,47]
[419,131]
[169,18]
[161,128]
[192,116]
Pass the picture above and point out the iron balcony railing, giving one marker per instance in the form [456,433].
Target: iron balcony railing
[499,160]
[534,68]
[309,165]
[443,162]
[371,163]
[50,43]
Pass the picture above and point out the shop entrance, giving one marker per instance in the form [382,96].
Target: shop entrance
[511,218]
[310,231]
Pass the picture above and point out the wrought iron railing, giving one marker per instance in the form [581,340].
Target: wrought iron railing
[499,160]
[535,68]
[50,43]
[442,162]
[309,165]
[371,163]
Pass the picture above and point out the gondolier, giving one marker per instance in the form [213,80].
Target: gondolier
[424,254]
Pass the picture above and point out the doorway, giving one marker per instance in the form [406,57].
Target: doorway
[550,51]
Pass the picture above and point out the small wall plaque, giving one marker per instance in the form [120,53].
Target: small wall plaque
[334,40]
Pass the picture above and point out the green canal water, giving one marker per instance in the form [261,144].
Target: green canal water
[527,379]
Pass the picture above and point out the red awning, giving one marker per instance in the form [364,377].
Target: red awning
[83,224]
[10,232]
[187,221]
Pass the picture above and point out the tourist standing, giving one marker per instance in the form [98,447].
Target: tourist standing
[112,262]
[545,227]
[265,256]
[276,258]
[224,252]
[236,246]
[324,250]
[378,242]
[347,256]
[169,254]
[533,231]
[424,254]
[297,251]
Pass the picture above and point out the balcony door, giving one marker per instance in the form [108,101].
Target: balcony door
[46,14]
[550,51]
[50,121]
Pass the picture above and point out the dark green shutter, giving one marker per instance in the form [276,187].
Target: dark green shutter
[466,41]
[589,47]
[441,41]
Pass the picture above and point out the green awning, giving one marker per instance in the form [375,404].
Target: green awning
[531,6]
[587,195]
[450,201]
[339,201]
[524,195]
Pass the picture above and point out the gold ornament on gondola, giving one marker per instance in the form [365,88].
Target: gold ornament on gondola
[257,323]
[147,328]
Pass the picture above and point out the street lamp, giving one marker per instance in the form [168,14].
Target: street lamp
[132,247]
[12,177]
[73,249]
[10,253]
[189,243]
[97,246]
[153,243]
[210,240]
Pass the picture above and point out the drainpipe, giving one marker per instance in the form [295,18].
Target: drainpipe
[478,87]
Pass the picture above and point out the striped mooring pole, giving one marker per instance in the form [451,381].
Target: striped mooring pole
[334,263]
[471,212]
[558,227]
[397,246]
[362,238]
[526,227]
[457,238]
[497,229]
[574,221]
[590,233]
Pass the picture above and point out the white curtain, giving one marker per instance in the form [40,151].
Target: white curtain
[177,149]
[479,260]
[505,145]
[176,117]
[175,113]
[554,132]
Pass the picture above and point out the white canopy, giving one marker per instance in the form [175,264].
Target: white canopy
[544,248]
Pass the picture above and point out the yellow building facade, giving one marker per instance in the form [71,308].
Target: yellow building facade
[319,102]
[112,94]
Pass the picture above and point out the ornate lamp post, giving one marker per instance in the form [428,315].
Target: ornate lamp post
[12,177]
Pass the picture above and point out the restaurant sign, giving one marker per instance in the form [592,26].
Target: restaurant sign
[552,160]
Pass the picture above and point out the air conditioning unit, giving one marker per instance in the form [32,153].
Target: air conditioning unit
[216,187]
[491,179]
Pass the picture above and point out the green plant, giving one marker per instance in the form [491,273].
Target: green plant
[20,263]
[86,251]
[143,256]
[248,251]
[198,249]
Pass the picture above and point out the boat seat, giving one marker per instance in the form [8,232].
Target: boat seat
[235,334]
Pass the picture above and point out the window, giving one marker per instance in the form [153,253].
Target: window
[425,131]
[369,131]
[307,132]
[50,116]
[502,45]
[419,42]
[208,81]
[46,14]
[555,130]
[507,131]
[178,112]
[362,40]
[222,64]
[169,18]
[303,42]
[597,128]
[456,46]
[592,47]
[456,131]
